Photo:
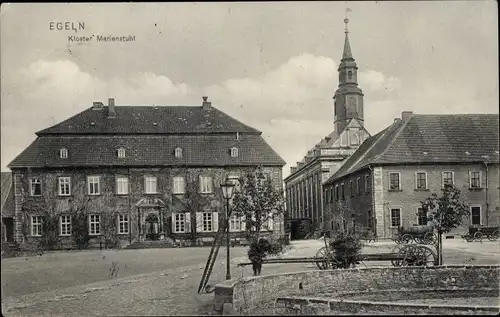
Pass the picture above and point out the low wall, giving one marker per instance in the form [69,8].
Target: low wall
[243,295]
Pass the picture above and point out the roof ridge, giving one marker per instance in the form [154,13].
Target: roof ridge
[247,126]
[393,139]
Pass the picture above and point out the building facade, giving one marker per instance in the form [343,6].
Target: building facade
[381,186]
[304,184]
[126,174]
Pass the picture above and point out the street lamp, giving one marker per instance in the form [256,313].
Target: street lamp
[227,192]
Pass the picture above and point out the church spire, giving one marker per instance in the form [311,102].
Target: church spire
[348,99]
[347,46]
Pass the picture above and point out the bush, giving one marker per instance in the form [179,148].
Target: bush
[346,247]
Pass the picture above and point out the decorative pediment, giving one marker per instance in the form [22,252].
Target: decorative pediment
[150,202]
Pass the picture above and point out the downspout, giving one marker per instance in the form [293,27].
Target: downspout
[486,193]
[372,181]
[129,208]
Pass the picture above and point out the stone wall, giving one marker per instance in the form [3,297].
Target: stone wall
[240,297]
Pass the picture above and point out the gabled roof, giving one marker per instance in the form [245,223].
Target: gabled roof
[148,150]
[7,195]
[150,120]
[424,139]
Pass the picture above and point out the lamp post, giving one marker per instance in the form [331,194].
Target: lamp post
[227,192]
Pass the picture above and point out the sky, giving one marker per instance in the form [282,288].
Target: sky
[271,65]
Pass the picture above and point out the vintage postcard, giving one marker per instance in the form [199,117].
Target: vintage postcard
[250,158]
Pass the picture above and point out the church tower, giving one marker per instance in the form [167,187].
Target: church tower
[348,99]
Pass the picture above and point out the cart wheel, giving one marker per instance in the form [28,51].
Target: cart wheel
[407,238]
[429,238]
[478,236]
[321,254]
[493,236]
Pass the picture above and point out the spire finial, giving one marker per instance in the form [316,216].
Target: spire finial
[346,20]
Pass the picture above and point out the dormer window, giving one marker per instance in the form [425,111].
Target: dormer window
[178,152]
[121,152]
[63,153]
[234,152]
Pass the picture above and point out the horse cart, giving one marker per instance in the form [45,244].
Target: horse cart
[477,233]
[423,234]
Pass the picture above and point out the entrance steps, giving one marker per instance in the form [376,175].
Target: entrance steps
[157,244]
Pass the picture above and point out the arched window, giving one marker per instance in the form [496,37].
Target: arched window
[178,152]
[234,152]
[121,152]
[63,153]
[349,75]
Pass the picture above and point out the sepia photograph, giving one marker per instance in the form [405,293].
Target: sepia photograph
[250,158]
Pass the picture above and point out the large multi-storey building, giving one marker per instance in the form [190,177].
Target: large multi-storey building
[136,173]
[382,185]
[304,184]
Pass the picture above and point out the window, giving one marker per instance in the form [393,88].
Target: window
[394,179]
[179,185]
[421,180]
[422,217]
[93,185]
[180,223]
[342,192]
[235,223]
[358,186]
[150,185]
[64,186]
[337,192]
[178,152]
[475,214]
[207,222]
[367,183]
[395,217]
[121,152]
[235,179]
[94,224]
[234,152]
[65,224]
[36,186]
[353,136]
[205,184]
[448,179]
[351,189]
[123,224]
[36,226]
[122,185]
[349,75]
[475,179]
[63,153]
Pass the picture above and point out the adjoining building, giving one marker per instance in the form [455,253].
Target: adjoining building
[385,180]
[304,184]
[7,205]
[136,173]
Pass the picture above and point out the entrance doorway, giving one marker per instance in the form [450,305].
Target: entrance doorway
[8,229]
[152,227]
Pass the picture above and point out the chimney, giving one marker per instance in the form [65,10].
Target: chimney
[206,105]
[111,108]
[405,115]
[97,105]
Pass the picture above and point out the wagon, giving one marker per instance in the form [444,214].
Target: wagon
[417,234]
[477,233]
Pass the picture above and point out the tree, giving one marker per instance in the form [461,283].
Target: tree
[258,201]
[445,212]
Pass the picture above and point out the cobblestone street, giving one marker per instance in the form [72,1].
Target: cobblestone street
[164,288]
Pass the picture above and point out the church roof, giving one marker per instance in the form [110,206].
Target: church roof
[347,54]
[424,139]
